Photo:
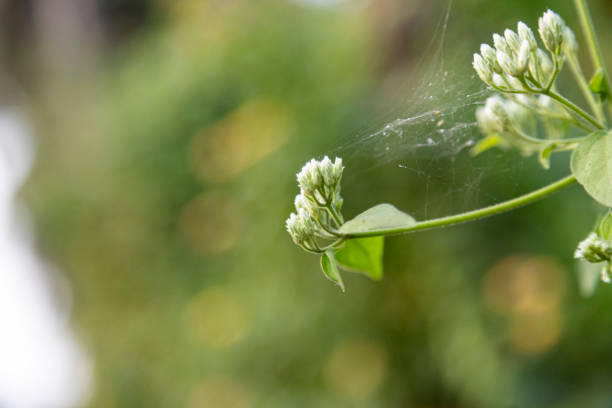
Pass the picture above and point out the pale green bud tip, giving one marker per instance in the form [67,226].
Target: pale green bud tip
[551,28]
[593,249]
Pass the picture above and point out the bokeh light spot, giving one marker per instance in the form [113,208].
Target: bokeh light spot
[356,368]
[236,142]
[528,291]
[217,318]
[211,223]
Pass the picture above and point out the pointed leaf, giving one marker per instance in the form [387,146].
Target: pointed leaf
[330,269]
[599,84]
[604,227]
[362,255]
[592,165]
[380,217]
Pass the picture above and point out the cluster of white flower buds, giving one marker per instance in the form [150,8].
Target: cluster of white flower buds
[594,249]
[516,64]
[319,203]
[506,120]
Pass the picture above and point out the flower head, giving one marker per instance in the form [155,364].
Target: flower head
[552,31]
[594,249]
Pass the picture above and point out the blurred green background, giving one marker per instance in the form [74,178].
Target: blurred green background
[168,138]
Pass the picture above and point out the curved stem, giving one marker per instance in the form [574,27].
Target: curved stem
[476,214]
[575,108]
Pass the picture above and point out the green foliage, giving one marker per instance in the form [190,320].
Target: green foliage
[591,163]
[599,84]
[330,268]
[544,156]
[378,218]
[604,226]
[362,255]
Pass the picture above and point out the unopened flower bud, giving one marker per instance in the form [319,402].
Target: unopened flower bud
[512,39]
[309,178]
[300,226]
[507,63]
[523,56]
[570,45]
[488,54]
[501,44]
[525,34]
[493,117]
[482,69]
[498,81]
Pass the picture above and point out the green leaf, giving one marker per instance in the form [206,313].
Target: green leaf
[330,269]
[599,84]
[486,144]
[592,165]
[604,227]
[362,255]
[377,218]
[544,156]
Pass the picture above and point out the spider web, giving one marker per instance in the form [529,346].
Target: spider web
[428,134]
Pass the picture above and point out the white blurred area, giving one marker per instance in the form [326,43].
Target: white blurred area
[41,363]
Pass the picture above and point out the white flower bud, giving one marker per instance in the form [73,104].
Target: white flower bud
[570,45]
[546,64]
[301,202]
[309,178]
[300,226]
[507,63]
[498,81]
[488,54]
[493,118]
[501,44]
[512,39]
[593,249]
[551,28]
[541,66]
[325,169]
[518,114]
[338,168]
[525,34]
[482,69]
[487,123]
[546,102]
[523,56]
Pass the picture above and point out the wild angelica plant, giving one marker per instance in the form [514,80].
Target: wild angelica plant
[527,103]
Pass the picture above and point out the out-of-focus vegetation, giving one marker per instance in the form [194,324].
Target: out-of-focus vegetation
[169,135]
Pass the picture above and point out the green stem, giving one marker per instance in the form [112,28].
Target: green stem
[588,29]
[476,214]
[575,108]
[584,87]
